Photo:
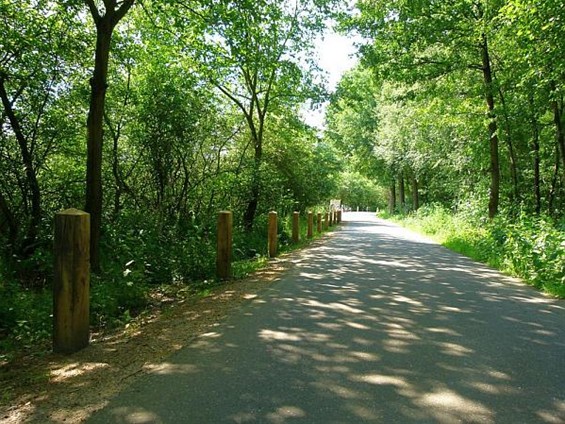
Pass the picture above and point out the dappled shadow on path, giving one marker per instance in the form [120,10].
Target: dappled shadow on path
[377,325]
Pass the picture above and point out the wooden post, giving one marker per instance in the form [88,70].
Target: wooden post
[339,216]
[71,284]
[319,223]
[224,246]
[272,234]
[335,217]
[295,227]
[326,221]
[310,232]
[331,218]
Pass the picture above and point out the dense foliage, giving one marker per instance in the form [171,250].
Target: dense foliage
[152,116]
[460,103]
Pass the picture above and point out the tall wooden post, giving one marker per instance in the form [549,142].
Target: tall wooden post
[326,221]
[224,247]
[319,223]
[339,216]
[331,218]
[71,284]
[310,232]
[295,227]
[272,234]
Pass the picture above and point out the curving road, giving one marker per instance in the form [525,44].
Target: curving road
[375,325]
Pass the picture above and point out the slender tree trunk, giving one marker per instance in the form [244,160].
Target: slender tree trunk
[402,193]
[554,182]
[492,130]
[251,210]
[415,194]
[557,107]
[392,198]
[95,135]
[29,170]
[105,25]
[536,153]
[10,222]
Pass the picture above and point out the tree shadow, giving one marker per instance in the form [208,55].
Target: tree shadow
[376,325]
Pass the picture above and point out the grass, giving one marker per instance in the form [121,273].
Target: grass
[525,246]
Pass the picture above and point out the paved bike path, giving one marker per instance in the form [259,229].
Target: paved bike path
[374,325]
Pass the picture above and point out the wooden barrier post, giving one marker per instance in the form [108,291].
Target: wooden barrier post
[335,217]
[71,284]
[319,223]
[310,232]
[224,246]
[326,221]
[295,227]
[339,216]
[331,218]
[272,234]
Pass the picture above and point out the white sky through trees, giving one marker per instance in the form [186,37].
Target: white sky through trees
[336,55]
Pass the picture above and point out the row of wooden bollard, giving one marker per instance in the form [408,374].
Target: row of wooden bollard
[225,231]
[71,285]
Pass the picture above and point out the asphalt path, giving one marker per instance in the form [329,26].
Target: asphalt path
[375,324]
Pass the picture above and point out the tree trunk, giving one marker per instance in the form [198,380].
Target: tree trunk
[492,130]
[554,182]
[392,198]
[105,25]
[537,160]
[95,135]
[8,220]
[415,194]
[557,108]
[251,210]
[402,193]
[32,184]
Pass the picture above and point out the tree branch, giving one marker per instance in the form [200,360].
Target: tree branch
[93,10]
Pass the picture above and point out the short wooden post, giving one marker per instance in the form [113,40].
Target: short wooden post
[310,232]
[272,234]
[331,218]
[335,217]
[339,216]
[71,284]
[295,227]
[319,223]
[224,246]
[326,221]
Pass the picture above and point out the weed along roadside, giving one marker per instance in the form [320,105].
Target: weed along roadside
[118,353]
[532,248]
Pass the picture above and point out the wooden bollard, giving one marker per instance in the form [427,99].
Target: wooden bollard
[272,234]
[326,221]
[331,218]
[71,284]
[310,232]
[224,246]
[319,223]
[339,216]
[335,217]
[295,227]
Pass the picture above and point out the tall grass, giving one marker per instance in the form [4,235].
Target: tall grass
[529,247]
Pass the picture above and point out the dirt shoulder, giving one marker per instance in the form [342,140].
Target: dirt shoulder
[62,389]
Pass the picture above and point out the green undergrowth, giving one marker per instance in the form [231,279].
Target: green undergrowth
[143,268]
[529,247]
